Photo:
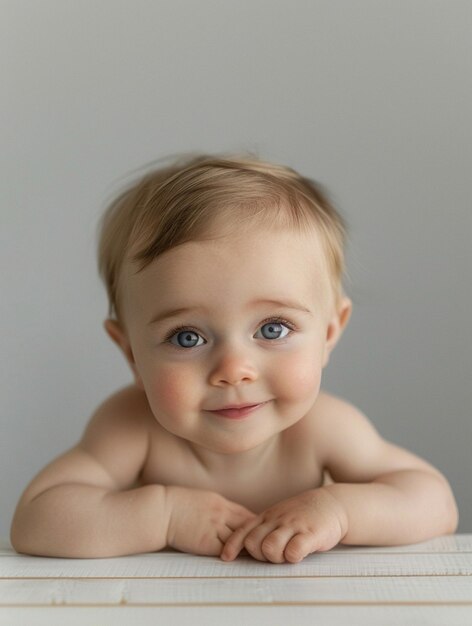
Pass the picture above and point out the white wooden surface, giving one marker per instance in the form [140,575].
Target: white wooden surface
[428,583]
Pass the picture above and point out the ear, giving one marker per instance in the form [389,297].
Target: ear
[336,327]
[119,336]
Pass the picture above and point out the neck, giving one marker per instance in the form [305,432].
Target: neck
[235,463]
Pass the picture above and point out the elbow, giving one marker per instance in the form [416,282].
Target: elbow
[431,493]
[447,518]
[453,517]
[21,533]
[16,539]
[450,508]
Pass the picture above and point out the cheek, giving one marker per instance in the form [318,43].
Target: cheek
[299,376]
[170,391]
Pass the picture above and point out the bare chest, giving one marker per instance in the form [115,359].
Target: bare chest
[292,469]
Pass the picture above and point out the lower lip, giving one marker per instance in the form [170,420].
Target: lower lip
[236,414]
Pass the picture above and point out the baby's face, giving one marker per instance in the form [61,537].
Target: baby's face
[227,322]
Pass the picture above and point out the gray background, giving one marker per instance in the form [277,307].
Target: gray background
[371,97]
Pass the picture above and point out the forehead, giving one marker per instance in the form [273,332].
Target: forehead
[228,271]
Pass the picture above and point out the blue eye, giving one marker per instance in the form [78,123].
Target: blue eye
[186,339]
[274,330]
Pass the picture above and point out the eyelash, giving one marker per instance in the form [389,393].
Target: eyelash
[178,329]
[174,331]
[279,320]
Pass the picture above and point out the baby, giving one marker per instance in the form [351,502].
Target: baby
[224,277]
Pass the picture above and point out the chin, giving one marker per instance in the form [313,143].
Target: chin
[244,445]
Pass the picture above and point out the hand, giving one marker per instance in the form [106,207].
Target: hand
[201,521]
[290,530]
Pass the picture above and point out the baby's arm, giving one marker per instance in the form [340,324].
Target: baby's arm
[83,504]
[390,495]
[382,495]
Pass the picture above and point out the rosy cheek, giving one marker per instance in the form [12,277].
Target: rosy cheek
[169,391]
[301,376]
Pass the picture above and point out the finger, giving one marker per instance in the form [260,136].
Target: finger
[235,543]
[274,543]
[224,533]
[244,513]
[299,546]
[255,538]
[238,520]
[210,545]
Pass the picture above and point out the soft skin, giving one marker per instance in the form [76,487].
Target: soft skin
[233,362]
[158,466]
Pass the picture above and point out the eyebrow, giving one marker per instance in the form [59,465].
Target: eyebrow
[286,304]
[170,313]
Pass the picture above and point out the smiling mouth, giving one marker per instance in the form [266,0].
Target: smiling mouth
[238,412]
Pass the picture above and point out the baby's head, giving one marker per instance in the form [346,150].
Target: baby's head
[207,197]
[224,276]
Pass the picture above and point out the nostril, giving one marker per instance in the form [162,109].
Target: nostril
[233,371]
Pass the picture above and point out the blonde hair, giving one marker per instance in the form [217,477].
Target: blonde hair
[184,201]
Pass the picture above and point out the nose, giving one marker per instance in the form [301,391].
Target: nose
[233,368]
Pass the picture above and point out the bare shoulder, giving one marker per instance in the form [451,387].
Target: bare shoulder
[110,454]
[118,434]
[350,447]
[328,417]
[125,411]
[128,402]
[329,407]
